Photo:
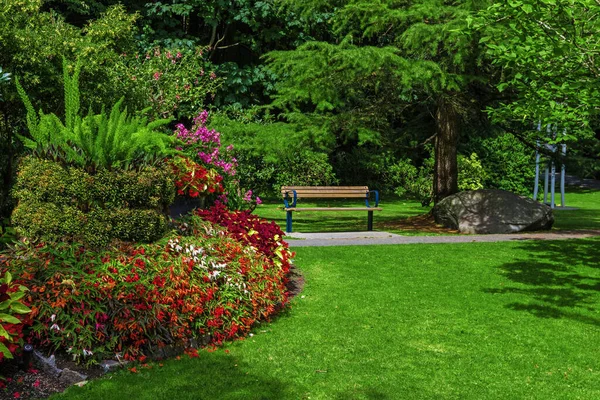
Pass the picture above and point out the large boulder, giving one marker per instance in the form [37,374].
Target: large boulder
[492,211]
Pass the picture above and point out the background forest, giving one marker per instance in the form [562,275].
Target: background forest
[418,98]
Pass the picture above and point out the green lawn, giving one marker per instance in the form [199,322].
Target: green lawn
[516,320]
[587,216]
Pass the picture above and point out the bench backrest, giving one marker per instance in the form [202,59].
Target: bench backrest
[325,191]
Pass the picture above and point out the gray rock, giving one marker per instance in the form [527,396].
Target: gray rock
[492,211]
[71,377]
[112,365]
[47,364]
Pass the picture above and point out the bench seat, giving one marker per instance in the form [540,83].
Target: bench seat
[291,194]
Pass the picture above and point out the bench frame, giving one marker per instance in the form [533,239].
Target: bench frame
[291,194]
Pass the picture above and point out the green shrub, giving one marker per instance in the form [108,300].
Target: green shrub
[413,182]
[471,175]
[307,168]
[57,202]
[508,163]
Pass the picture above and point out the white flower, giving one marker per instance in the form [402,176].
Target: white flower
[53,327]
[52,317]
[87,353]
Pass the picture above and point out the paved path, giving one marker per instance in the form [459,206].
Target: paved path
[367,238]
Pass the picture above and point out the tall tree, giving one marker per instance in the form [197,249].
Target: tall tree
[386,57]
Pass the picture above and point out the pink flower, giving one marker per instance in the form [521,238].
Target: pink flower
[213,75]
[258,200]
[179,54]
[36,383]
[157,75]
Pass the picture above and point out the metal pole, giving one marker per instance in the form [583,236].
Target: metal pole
[537,172]
[562,177]
[546,184]
[553,184]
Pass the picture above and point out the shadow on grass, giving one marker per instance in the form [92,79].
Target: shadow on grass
[559,279]
[210,376]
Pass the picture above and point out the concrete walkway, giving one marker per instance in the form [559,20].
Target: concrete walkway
[368,238]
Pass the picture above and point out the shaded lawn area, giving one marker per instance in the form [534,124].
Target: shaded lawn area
[586,216]
[448,321]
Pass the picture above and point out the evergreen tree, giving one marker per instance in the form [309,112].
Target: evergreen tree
[386,57]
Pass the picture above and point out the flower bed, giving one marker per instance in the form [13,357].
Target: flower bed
[197,284]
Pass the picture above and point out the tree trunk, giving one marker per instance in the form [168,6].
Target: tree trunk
[445,174]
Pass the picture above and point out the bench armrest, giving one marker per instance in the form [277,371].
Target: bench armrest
[286,199]
[376,198]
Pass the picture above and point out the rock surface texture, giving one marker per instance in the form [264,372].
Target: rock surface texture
[492,211]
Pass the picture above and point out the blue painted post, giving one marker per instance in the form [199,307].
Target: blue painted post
[288,224]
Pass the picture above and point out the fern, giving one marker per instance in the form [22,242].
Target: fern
[114,140]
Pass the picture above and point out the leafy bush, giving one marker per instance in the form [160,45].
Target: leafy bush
[410,181]
[307,168]
[507,163]
[107,141]
[195,286]
[14,314]
[57,202]
[272,154]
[471,175]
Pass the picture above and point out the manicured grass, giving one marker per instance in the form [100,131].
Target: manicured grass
[516,320]
[587,216]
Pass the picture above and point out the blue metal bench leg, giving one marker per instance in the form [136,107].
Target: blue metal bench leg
[370,221]
[288,225]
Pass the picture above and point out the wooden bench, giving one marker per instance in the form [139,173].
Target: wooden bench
[291,194]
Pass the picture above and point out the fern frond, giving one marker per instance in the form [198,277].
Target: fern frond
[31,117]
[71,85]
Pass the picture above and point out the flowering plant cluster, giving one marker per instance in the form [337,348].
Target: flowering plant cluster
[195,286]
[265,236]
[14,314]
[203,145]
[193,179]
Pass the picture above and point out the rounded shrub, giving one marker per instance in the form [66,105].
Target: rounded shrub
[57,202]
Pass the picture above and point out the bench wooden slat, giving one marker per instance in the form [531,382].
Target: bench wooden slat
[330,195]
[333,209]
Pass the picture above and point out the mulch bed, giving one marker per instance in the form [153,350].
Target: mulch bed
[420,223]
